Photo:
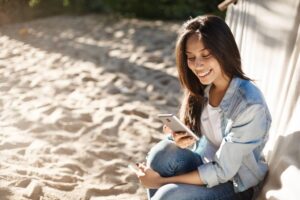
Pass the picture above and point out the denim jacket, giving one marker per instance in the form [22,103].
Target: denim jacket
[245,123]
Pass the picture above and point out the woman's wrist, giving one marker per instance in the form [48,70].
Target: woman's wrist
[162,181]
[166,180]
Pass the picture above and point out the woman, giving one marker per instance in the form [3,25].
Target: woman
[222,106]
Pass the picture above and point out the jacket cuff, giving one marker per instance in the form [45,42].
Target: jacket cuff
[169,137]
[208,174]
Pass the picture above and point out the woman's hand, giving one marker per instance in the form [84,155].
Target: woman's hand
[166,129]
[152,180]
[182,139]
[148,177]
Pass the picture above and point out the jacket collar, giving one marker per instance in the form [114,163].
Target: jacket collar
[230,93]
[226,104]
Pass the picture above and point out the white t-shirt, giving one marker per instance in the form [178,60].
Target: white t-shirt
[211,124]
[211,128]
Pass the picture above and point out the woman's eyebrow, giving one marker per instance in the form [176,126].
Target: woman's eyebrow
[199,50]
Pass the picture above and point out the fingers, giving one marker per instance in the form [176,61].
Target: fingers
[178,136]
[166,129]
[137,169]
[184,141]
[188,142]
[142,166]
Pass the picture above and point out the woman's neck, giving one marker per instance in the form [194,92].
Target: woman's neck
[217,91]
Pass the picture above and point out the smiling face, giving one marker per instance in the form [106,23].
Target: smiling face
[203,64]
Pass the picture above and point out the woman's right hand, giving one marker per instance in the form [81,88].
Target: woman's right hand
[181,139]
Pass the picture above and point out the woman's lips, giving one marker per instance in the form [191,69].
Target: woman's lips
[205,73]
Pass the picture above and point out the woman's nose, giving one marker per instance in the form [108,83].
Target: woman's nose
[198,62]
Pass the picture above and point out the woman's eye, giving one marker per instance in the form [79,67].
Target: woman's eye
[191,58]
[206,55]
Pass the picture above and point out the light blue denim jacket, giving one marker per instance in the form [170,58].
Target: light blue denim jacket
[245,124]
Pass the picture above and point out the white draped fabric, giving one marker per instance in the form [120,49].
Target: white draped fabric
[268,35]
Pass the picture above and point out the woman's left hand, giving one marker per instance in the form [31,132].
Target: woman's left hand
[148,177]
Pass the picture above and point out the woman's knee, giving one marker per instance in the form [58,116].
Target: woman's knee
[163,153]
[169,160]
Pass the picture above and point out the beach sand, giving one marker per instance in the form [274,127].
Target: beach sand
[79,97]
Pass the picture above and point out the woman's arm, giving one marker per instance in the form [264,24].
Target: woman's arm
[151,179]
[247,132]
[188,178]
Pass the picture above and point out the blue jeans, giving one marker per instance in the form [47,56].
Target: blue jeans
[169,160]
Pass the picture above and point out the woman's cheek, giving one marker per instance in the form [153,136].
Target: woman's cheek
[190,65]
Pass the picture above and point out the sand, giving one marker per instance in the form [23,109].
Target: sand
[79,97]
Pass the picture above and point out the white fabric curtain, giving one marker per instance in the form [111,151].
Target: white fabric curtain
[268,35]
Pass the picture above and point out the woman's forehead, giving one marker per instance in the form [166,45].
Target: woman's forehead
[194,43]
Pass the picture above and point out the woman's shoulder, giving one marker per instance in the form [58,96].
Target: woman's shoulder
[249,92]
[242,95]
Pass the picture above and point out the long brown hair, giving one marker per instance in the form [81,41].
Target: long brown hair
[216,37]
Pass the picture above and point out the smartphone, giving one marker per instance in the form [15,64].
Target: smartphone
[175,124]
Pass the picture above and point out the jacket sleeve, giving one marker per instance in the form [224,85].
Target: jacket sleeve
[247,132]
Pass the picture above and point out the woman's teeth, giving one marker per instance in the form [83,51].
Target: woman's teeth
[204,73]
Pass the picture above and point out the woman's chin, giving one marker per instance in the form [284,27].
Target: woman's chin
[205,81]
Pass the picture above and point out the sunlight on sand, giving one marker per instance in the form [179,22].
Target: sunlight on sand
[79,98]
